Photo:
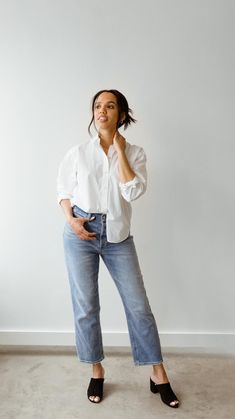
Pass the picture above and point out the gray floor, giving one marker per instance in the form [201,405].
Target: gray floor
[38,384]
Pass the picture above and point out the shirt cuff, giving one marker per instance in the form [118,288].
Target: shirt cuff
[60,197]
[132,182]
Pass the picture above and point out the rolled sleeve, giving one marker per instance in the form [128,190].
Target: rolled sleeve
[136,187]
[67,176]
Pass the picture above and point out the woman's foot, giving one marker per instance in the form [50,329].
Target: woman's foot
[95,389]
[159,377]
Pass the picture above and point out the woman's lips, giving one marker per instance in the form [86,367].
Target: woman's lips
[103,118]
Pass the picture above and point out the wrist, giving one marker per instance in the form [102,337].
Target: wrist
[121,153]
[71,220]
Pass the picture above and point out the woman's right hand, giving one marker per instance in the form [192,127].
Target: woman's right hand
[77,224]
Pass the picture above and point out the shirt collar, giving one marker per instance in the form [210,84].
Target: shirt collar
[96,140]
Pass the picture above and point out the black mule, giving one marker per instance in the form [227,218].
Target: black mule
[95,388]
[167,394]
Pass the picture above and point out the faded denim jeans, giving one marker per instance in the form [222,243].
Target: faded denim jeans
[82,260]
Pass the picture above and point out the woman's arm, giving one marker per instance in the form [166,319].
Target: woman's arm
[66,205]
[133,181]
[77,224]
[67,175]
[125,171]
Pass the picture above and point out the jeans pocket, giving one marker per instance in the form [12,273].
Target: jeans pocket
[78,212]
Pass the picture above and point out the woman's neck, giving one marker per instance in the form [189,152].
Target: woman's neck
[106,137]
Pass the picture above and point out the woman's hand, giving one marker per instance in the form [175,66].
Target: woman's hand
[125,171]
[119,142]
[77,224]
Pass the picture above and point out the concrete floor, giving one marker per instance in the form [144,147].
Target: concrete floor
[41,384]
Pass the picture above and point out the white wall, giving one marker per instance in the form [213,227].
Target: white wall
[174,60]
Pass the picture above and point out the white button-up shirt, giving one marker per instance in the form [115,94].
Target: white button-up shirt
[90,179]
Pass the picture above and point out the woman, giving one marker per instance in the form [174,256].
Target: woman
[96,182]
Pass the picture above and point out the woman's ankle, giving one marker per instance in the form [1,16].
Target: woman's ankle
[159,373]
[98,370]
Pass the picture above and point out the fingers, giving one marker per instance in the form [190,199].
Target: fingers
[119,141]
[86,235]
[80,230]
[117,135]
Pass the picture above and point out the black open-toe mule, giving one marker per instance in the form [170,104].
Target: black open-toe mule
[167,394]
[95,389]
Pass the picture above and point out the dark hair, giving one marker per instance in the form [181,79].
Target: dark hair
[123,107]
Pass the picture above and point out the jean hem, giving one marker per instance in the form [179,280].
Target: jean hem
[92,362]
[137,363]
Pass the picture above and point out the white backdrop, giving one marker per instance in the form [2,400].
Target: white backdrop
[174,61]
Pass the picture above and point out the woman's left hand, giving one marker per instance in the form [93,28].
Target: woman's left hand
[119,142]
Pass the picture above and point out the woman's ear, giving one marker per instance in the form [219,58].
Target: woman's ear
[122,118]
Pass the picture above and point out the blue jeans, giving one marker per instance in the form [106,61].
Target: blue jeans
[82,260]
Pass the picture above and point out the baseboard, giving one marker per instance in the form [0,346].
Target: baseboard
[203,341]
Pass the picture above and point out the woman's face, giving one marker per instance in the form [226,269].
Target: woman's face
[106,113]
